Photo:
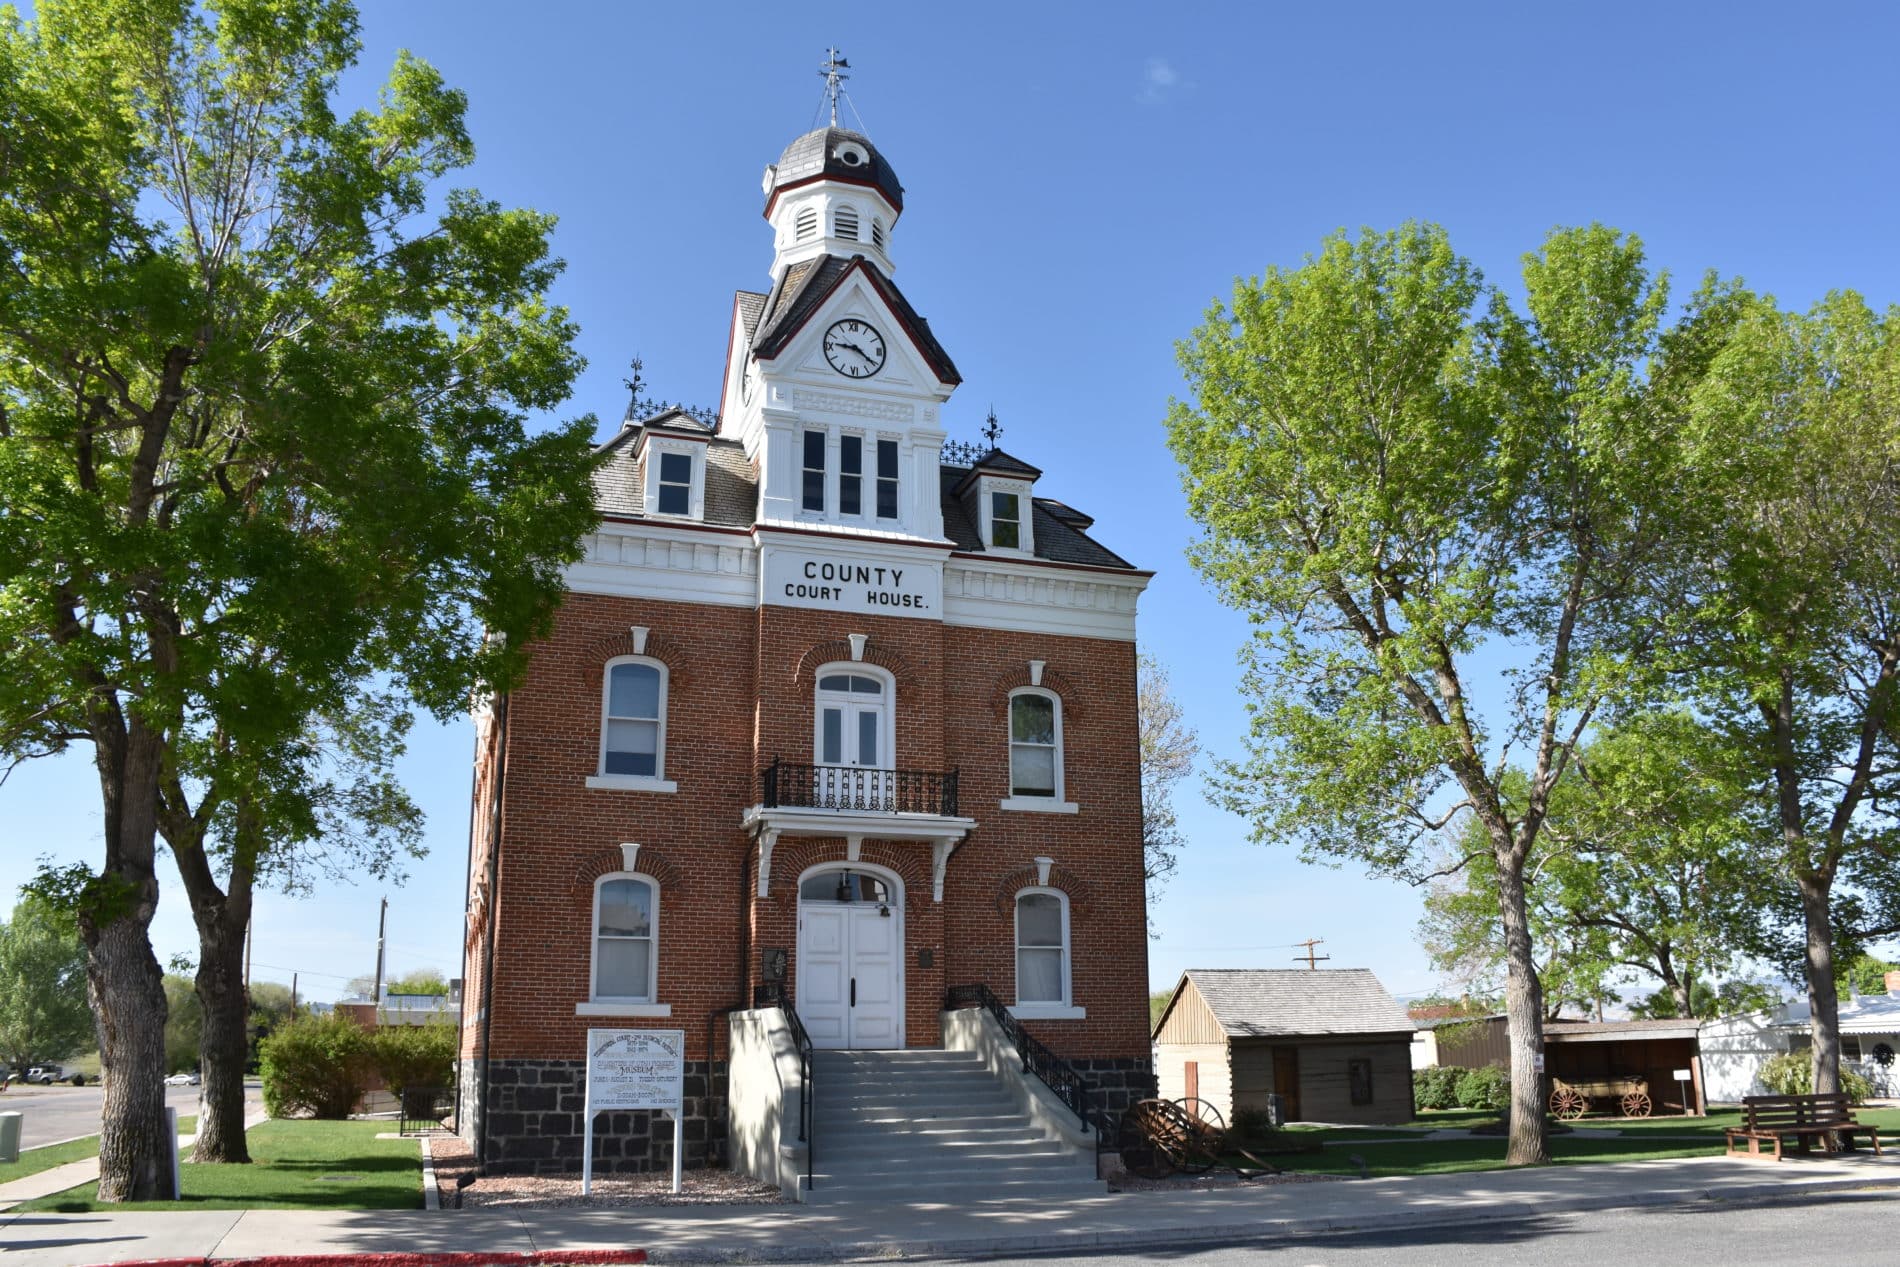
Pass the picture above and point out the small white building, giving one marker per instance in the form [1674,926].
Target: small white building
[1734,1048]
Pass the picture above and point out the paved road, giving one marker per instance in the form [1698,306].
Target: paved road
[1848,1230]
[54,1113]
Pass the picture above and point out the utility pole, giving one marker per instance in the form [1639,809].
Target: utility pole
[1311,960]
[382,924]
[247,958]
[293,996]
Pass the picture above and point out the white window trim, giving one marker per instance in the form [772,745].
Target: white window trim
[1025,510]
[887,732]
[828,511]
[867,457]
[1035,804]
[655,782]
[1065,1009]
[695,453]
[595,1004]
[871,456]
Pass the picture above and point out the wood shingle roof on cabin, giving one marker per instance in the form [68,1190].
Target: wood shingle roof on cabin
[1288,1002]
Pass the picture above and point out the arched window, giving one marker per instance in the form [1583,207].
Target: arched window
[1042,948]
[633,719]
[1035,744]
[626,938]
[844,222]
[853,717]
[805,225]
[877,233]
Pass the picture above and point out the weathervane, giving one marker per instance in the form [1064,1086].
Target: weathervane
[833,71]
[992,429]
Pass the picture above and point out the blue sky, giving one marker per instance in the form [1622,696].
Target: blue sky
[1081,181]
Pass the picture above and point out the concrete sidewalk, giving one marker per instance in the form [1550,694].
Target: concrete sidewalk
[814,1233]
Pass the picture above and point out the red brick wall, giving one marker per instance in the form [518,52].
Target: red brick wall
[739,693]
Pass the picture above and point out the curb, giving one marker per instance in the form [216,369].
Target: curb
[509,1258]
[431,1194]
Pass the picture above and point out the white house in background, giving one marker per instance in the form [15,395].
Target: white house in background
[1734,1048]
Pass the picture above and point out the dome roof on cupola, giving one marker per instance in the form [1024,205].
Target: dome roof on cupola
[833,153]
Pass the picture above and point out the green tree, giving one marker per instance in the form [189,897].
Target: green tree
[1653,867]
[1865,974]
[1794,578]
[184,1024]
[264,387]
[270,1007]
[43,1012]
[1393,489]
[421,981]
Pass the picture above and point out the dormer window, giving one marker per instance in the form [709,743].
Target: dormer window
[851,154]
[1003,506]
[674,479]
[1006,521]
[805,226]
[845,223]
[676,483]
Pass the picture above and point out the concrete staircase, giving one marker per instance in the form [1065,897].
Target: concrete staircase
[925,1125]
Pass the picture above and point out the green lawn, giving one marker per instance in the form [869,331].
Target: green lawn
[1637,1139]
[296,1165]
[34,1160]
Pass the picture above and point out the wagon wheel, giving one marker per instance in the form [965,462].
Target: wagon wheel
[1206,1137]
[1635,1104]
[1149,1138]
[1568,1103]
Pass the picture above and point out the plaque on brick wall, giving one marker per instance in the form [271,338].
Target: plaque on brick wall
[774,963]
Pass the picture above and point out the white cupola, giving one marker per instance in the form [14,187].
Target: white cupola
[831,193]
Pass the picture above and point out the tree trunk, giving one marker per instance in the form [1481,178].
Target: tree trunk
[224,1047]
[1823,1000]
[123,981]
[222,918]
[1524,1012]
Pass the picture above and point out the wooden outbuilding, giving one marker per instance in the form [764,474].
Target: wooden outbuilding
[1330,1043]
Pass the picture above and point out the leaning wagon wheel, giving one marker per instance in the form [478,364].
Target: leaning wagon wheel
[1206,1135]
[1635,1104]
[1568,1103]
[1150,1138]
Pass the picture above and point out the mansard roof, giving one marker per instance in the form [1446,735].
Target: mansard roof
[832,154]
[808,283]
[732,498]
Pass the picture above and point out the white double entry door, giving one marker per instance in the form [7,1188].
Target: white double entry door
[850,988]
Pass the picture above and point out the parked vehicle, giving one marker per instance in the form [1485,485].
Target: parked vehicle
[182,1080]
[46,1075]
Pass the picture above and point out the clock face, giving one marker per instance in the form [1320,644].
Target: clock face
[854,349]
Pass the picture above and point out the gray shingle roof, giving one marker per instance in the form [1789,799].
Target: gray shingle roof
[732,499]
[751,306]
[1272,1002]
[808,283]
[816,154]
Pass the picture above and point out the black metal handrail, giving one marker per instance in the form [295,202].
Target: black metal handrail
[772,994]
[858,789]
[1056,1073]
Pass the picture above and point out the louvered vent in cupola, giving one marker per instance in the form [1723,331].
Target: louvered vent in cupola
[877,233]
[805,228]
[845,222]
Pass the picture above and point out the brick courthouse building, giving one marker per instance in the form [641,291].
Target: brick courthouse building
[824,712]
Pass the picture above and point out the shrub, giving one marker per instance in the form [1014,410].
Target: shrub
[1486,1088]
[315,1066]
[1252,1123]
[1436,1087]
[414,1055]
[1792,1073]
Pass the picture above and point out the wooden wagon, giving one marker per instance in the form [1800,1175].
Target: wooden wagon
[1571,1100]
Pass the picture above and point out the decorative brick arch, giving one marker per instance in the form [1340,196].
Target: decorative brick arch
[594,656]
[795,855]
[1052,681]
[1080,892]
[651,862]
[838,651]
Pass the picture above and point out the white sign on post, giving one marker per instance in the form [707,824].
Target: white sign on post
[634,1069]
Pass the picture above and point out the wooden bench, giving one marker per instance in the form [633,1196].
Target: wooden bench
[1801,1117]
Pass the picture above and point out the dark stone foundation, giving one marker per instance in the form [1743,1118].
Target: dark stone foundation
[536,1122]
[1118,1083]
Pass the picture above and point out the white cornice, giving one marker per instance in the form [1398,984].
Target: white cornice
[674,564]
[1036,599]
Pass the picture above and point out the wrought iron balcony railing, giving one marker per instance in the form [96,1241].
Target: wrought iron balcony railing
[858,789]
